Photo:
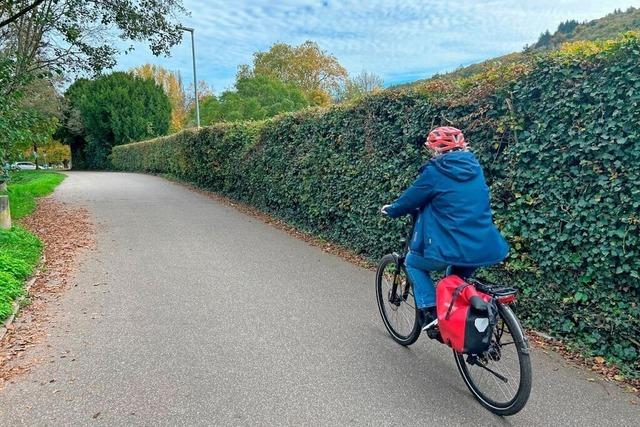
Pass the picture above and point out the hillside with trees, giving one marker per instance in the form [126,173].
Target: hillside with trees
[605,28]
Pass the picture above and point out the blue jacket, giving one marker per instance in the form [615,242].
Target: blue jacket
[454,225]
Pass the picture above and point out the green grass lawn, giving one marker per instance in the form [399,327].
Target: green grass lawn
[25,186]
[19,249]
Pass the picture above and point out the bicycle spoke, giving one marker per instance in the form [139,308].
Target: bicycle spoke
[498,375]
[499,385]
[501,364]
[406,318]
[504,371]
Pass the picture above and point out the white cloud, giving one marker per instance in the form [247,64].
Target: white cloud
[399,40]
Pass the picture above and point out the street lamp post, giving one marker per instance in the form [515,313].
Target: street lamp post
[195,79]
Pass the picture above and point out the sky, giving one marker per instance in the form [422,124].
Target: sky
[401,41]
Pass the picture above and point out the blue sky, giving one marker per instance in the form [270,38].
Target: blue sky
[399,40]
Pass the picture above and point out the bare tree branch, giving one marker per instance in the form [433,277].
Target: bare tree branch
[16,16]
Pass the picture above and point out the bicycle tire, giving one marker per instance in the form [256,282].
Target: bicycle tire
[521,396]
[385,306]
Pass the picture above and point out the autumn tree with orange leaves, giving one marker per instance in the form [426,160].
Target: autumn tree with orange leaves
[317,73]
[171,83]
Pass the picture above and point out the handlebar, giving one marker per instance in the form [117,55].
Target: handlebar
[413,217]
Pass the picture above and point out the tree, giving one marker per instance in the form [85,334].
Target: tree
[316,72]
[43,100]
[51,152]
[254,98]
[209,110]
[171,83]
[56,153]
[568,26]
[27,116]
[111,110]
[204,91]
[544,40]
[78,35]
[360,85]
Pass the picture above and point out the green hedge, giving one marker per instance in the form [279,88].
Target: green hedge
[559,143]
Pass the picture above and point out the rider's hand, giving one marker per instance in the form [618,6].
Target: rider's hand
[384,209]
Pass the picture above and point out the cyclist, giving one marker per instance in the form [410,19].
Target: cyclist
[454,225]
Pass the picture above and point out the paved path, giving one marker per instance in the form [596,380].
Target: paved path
[212,317]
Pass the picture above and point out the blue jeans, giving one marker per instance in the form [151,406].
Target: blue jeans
[418,269]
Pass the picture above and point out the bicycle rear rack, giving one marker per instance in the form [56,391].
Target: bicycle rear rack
[496,291]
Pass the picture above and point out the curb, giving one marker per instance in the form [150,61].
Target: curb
[16,304]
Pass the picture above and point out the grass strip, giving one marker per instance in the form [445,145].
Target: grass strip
[19,249]
[25,186]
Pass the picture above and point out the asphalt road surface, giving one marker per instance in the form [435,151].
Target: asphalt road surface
[205,316]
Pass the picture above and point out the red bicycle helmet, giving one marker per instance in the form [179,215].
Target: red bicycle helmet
[445,138]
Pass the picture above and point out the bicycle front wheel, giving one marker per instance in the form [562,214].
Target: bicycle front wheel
[396,302]
[500,378]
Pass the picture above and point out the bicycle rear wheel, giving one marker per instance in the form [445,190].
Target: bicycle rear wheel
[396,302]
[500,378]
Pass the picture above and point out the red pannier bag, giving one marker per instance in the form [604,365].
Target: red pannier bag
[466,317]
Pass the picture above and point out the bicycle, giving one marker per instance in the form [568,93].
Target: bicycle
[491,382]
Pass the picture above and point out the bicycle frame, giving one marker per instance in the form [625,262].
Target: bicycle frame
[400,261]
[405,249]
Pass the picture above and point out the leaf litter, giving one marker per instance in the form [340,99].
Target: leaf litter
[67,232]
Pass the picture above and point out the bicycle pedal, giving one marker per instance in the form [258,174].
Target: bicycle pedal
[430,325]
[433,333]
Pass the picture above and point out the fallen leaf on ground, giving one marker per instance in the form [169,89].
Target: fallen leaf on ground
[66,231]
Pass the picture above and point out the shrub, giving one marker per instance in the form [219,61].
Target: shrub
[573,175]
[113,109]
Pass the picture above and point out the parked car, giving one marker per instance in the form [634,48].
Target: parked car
[23,166]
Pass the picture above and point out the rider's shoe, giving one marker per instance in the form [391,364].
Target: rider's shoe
[429,322]
[427,317]
[434,333]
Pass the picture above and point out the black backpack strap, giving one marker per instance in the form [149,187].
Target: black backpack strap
[454,297]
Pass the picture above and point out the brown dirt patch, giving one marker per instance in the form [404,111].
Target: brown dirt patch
[66,232]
